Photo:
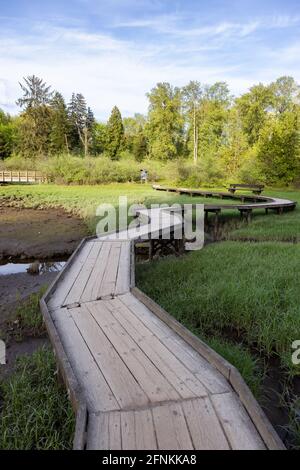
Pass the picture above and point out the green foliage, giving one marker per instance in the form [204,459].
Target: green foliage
[240,357]
[114,134]
[35,414]
[165,127]
[253,107]
[60,127]
[279,148]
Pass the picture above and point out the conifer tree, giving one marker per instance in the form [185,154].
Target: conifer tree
[114,134]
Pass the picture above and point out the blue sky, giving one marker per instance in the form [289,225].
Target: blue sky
[114,51]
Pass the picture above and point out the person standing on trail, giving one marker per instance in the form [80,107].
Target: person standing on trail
[144,176]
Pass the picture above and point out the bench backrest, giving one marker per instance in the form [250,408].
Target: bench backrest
[249,186]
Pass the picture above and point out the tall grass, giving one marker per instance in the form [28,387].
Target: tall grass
[244,290]
[36,414]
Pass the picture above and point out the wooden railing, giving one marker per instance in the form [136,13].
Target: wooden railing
[21,177]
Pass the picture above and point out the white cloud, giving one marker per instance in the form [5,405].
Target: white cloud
[112,71]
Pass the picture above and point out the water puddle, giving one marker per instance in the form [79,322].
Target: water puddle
[31,268]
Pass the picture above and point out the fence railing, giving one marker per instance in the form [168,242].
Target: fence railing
[21,177]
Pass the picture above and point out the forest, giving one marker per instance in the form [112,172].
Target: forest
[197,134]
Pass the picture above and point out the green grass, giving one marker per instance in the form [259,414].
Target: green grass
[29,321]
[284,227]
[243,290]
[83,200]
[36,413]
[237,355]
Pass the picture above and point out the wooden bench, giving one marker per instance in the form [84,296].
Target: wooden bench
[255,188]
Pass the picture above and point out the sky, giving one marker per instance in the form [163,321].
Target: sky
[115,51]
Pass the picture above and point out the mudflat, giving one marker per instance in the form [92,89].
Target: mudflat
[38,234]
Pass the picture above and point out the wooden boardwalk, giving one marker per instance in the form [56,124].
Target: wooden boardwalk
[7,177]
[136,377]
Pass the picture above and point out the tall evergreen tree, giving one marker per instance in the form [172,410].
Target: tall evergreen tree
[59,134]
[114,134]
[35,123]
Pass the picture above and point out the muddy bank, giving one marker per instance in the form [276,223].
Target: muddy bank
[15,288]
[38,234]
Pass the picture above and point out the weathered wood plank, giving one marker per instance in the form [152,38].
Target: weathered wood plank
[170,427]
[108,284]
[62,289]
[203,424]
[151,380]
[98,394]
[213,380]
[239,429]
[123,276]
[126,390]
[186,384]
[78,287]
[144,430]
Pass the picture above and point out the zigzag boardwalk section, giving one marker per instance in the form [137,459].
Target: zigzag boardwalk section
[136,377]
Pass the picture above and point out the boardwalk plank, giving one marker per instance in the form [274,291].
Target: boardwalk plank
[239,428]
[186,384]
[151,380]
[127,391]
[95,388]
[204,426]
[78,287]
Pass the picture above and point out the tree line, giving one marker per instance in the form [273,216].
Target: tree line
[254,136]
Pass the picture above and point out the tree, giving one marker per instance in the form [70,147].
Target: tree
[165,128]
[253,108]
[192,95]
[279,148]
[287,94]
[235,143]
[99,137]
[81,121]
[114,134]
[35,93]
[35,123]
[140,145]
[8,135]
[59,124]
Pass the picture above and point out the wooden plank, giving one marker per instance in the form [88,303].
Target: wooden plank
[144,430]
[208,375]
[108,283]
[204,350]
[203,424]
[98,394]
[78,287]
[266,430]
[154,384]
[62,289]
[95,280]
[170,427]
[123,276]
[115,440]
[126,390]
[98,432]
[128,430]
[239,429]
[185,383]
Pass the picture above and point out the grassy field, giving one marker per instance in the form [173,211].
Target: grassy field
[244,291]
[83,200]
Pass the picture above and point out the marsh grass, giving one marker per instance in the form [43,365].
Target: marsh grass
[35,413]
[247,291]
[29,320]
